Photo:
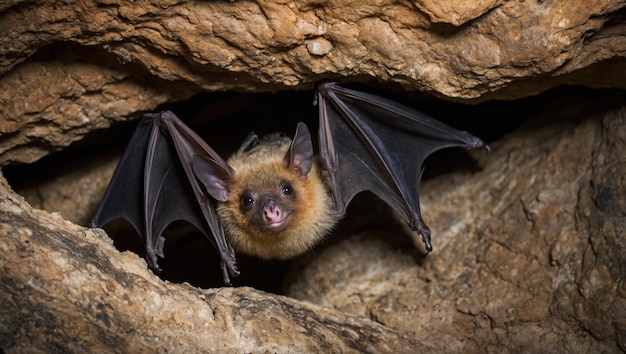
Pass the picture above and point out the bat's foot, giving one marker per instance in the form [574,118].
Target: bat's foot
[151,258]
[229,270]
[425,232]
[427,244]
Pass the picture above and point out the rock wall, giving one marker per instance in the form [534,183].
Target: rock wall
[132,56]
[529,246]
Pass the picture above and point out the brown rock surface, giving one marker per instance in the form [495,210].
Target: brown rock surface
[529,251]
[167,51]
[66,288]
[528,248]
[456,12]
[264,43]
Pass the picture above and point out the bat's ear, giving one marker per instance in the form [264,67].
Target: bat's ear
[215,177]
[299,158]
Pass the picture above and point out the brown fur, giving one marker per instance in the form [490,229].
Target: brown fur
[262,169]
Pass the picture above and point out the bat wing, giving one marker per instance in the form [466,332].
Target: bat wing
[368,142]
[161,179]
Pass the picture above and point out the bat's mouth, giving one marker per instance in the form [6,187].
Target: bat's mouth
[276,225]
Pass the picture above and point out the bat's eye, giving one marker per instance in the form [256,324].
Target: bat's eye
[286,189]
[247,201]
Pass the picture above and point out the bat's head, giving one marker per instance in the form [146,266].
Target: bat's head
[277,205]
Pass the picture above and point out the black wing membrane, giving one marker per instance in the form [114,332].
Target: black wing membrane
[153,186]
[368,142]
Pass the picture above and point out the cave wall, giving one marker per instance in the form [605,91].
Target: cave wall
[117,58]
[529,244]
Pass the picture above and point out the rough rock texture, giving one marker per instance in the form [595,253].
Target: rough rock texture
[65,288]
[529,256]
[495,49]
[63,93]
[288,43]
[529,252]
[455,12]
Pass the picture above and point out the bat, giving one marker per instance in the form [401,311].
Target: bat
[274,197]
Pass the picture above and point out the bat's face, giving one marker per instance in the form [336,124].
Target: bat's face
[272,211]
[267,199]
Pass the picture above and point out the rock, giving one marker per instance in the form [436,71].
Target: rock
[528,250]
[66,287]
[455,12]
[264,44]
[54,99]
[530,247]
[156,54]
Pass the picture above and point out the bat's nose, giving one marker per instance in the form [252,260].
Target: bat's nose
[271,210]
[273,213]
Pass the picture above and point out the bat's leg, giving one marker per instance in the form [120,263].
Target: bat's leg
[227,263]
[154,253]
[417,224]
[225,275]
[151,258]
[226,272]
